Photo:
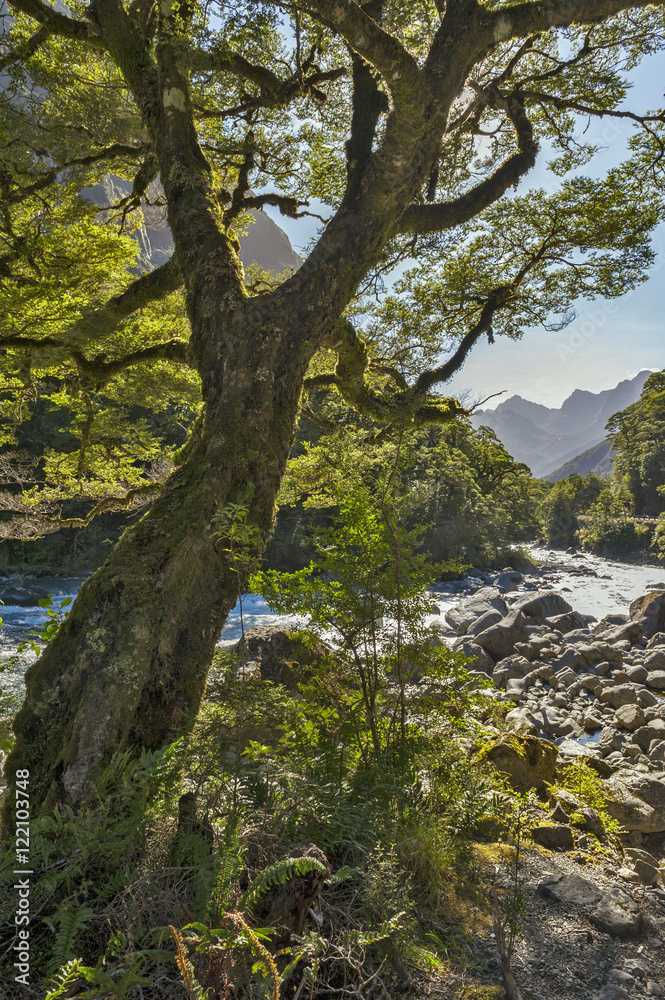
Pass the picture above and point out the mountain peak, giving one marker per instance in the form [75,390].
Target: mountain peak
[544,437]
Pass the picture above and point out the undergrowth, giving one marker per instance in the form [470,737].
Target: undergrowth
[136,897]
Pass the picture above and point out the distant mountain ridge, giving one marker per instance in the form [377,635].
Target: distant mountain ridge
[546,438]
[598,460]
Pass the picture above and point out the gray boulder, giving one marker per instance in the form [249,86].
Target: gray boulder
[649,610]
[505,582]
[656,680]
[571,622]
[637,800]
[569,889]
[484,600]
[655,659]
[499,640]
[485,620]
[619,694]
[553,836]
[543,604]
[631,632]
[618,914]
[481,661]
[629,717]
[572,658]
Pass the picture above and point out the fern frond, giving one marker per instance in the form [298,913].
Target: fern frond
[230,863]
[71,920]
[63,979]
[264,955]
[278,874]
[187,974]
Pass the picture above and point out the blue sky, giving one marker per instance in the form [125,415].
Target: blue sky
[608,341]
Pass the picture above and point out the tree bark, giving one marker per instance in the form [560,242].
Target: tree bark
[128,666]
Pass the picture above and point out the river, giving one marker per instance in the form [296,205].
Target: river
[591,584]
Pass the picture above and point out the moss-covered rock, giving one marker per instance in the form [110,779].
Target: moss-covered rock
[527,761]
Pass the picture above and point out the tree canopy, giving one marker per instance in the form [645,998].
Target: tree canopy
[412,123]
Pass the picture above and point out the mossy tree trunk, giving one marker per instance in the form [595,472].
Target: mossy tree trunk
[128,666]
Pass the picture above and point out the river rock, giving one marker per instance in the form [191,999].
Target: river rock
[590,652]
[528,761]
[506,582]
[481,660]
[656,680]
[656,640]
[499,640]
[570,890]
[579,636]
[630,633]
[22,597]
[543,604]
[570,622]
[485,620]
[636,674]
[629,717]
[484,600]
[618,914]
[649,874]
[637,800]
[655,659]
[649,610]
[618,695]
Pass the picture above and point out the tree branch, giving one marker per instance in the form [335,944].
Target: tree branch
[98,370]
[57,23]
[274,91]
[50,177]
[543,15]
[421,219]
[484,325]
[28,48]
[381,49]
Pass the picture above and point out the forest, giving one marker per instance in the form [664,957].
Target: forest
[324,811]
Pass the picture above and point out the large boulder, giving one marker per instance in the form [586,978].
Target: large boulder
[649,610]
[637,800]
[553,836]
[527,761]
[570,890]
[480,624]
[499,640]
[630,717]
[631,632]
[618,695]
[573,621]
[482,661]
[22,597]
[543,604]
[467,611]
[280,656]
[618,914]
[655,659]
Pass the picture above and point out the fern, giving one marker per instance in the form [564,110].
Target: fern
[201,858]
[278,874]
[187,974]
[64,978]
[71,920]
[230,864]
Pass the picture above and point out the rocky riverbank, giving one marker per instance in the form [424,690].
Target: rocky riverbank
[577,688]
